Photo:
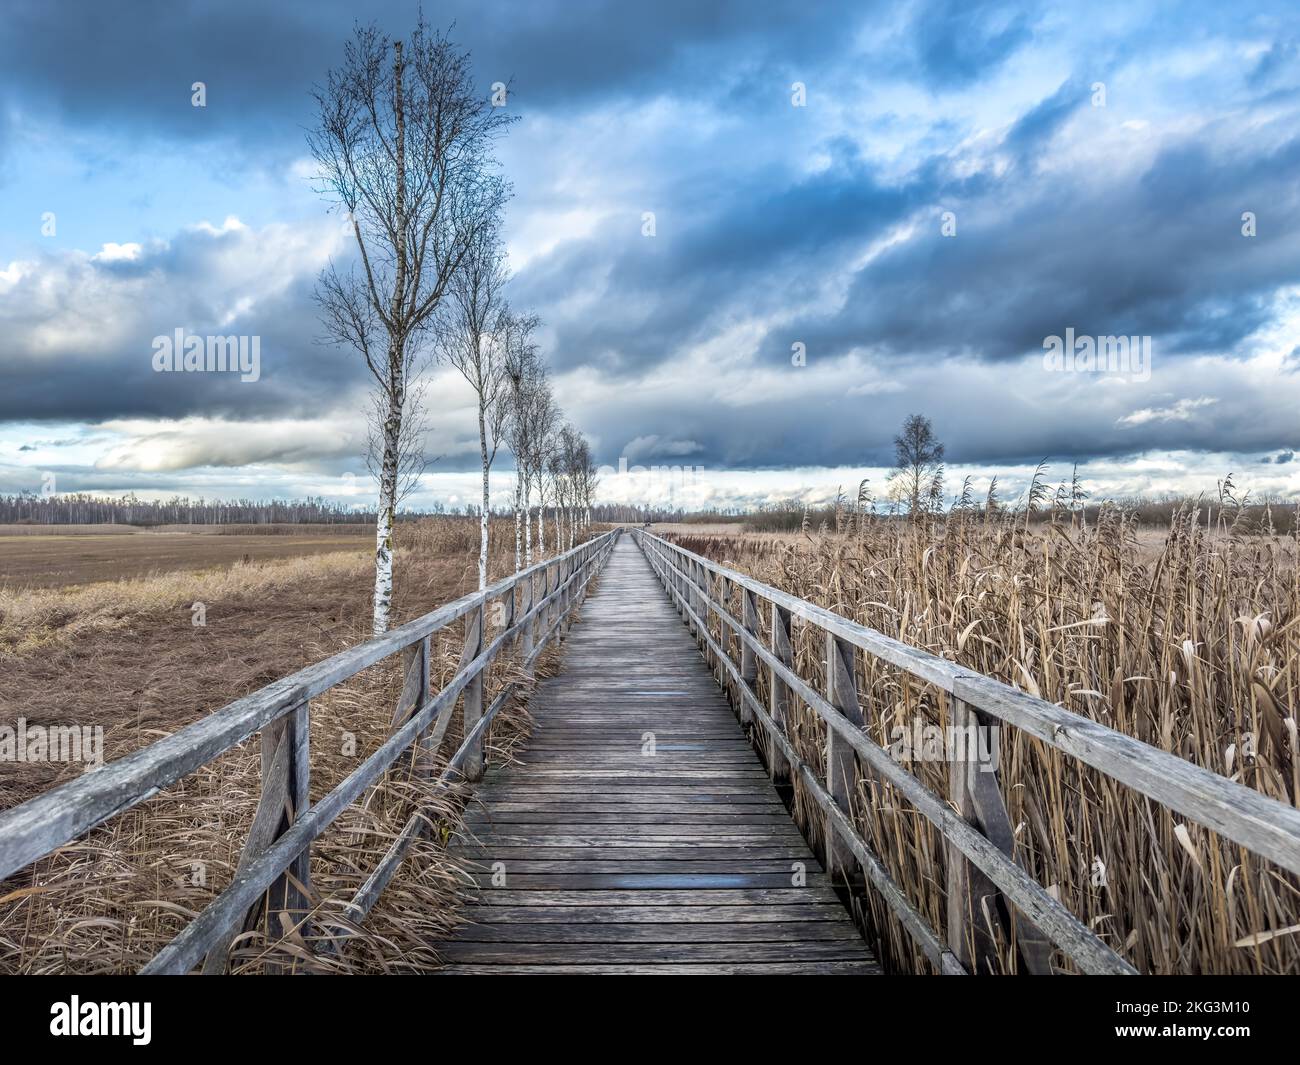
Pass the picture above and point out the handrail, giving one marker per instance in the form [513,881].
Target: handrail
[1262,825]
[275,856]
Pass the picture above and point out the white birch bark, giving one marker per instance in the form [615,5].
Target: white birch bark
[383,598]
[519,524]
[528,524]
[483,513]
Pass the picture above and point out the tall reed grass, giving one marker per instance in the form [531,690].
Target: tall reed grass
[1191,645]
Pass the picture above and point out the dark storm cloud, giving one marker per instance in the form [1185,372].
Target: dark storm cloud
[96,362]
[132,65]
[1163,257]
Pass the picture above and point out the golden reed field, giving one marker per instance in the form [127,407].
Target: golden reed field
[1188,640]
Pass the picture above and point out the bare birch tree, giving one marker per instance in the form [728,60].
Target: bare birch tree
[525,382]
[544,417]
[573,459]
[404,146]
[589,478]
[473,337]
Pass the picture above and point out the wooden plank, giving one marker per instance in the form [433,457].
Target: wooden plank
[629,914]
[825,968]
[583,864]
[469,952]
[586,880]
[752,932]
[762,818]
[748,853]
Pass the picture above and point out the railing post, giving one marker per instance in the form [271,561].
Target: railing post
[704,596]
[683,599]
[841,761]
[969,936]
[548,607]
[473,695]
[702,609]
[973,788]
[723,674]
[566,597]
[675,575]
[286,779]
[692,598]
[508,612]
[779,692]
[415,673]
[748,659]
[528,635]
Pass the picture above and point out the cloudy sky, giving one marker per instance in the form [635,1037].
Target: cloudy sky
[953,183]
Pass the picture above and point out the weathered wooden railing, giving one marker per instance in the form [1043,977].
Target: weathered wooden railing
[272,879]
[974,825]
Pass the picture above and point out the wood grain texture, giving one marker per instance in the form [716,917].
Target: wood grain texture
[639,832]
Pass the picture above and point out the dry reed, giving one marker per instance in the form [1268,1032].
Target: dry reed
[1192,646]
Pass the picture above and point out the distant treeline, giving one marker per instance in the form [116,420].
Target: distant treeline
[30,508]
[81,509]
[631,512]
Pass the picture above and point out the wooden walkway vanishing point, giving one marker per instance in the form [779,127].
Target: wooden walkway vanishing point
[641,833]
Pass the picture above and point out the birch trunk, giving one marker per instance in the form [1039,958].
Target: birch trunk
[519,523]
[483,512]
[386,516]
[528,524]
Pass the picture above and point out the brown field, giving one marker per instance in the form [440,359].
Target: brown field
[53,558]
[1187,640]
[124,655]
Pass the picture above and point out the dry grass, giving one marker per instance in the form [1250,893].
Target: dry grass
[1192,645]
[31,619]
[33,562]
[108,902]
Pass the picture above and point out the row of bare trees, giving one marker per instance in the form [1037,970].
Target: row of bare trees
[405,149]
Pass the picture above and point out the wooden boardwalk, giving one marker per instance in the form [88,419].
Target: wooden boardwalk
[641,833]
